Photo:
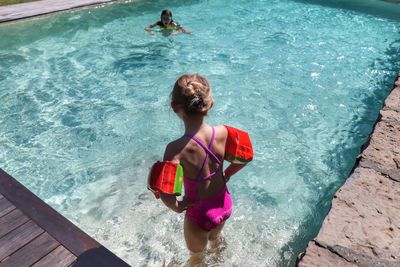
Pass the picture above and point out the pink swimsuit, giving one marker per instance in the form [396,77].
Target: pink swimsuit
[211,212]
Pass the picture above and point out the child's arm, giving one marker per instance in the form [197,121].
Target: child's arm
[148,28]
[181,29]
[232,169]
[238,150]
[171,202]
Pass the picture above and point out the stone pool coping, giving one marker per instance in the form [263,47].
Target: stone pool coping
[363,226]
[42,7]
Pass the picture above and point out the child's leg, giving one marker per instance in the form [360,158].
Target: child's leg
[196,238]
[215,233]
[217,245]
[196,241]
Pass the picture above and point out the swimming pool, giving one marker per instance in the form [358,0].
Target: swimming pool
[85,113]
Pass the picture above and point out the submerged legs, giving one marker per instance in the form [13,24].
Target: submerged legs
[197,239]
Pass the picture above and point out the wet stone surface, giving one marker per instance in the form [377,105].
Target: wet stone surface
[363,225]
[383,152]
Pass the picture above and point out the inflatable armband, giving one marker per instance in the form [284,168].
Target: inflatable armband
[166,177]
[170,28]
[238,148]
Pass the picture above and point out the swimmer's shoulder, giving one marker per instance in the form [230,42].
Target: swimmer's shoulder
[173,150]
[220,133]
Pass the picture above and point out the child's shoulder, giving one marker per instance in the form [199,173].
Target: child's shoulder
[173,149]
[220,127]
[177,145]
[221,131]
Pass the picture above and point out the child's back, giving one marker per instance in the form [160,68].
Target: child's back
[192,155]
[201,152]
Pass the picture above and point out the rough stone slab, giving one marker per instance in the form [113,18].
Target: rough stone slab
[31,9]
[383,151]
[365,217]
[321,257]
[363,225]
[393,100]
[390,115]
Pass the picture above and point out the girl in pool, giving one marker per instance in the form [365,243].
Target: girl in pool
[200,151]
[167,24]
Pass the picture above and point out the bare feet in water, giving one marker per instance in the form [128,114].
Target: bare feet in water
[196,259]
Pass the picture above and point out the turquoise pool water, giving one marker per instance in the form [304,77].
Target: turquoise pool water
[84,113]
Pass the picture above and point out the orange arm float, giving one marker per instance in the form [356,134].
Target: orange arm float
[238,147]
[165,177]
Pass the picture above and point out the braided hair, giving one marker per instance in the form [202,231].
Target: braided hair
[193,92]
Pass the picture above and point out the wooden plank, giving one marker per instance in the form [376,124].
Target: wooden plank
[5,207]
[26,10]
[11,221]
[32,252]
[59,257]
[88,251]
[70,236]
[18,238]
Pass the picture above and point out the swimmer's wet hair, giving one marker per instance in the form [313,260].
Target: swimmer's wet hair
[166,12]
[193,92]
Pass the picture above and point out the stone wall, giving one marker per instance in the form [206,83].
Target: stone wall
[363,225]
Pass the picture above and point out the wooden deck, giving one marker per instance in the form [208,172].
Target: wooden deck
[34,234]
[43,7]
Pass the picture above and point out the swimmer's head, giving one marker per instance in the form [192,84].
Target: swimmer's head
[192,92]
[166,16]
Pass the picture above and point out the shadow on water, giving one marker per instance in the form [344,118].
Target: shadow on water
[99,257]
[262,197]
[146,55]
[343,159]
[7,62]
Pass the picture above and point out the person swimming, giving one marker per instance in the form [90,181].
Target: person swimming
[167,24]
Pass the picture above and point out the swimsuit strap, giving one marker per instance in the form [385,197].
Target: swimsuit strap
[207,149]
[208,152]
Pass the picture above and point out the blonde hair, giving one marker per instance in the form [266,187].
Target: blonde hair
[193,92]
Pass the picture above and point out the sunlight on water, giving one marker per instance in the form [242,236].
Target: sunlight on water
[85,112]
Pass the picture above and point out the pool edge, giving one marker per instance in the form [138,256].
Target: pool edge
[43,7]
[362,227]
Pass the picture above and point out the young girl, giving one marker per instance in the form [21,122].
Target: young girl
[167,24]
[200,151]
